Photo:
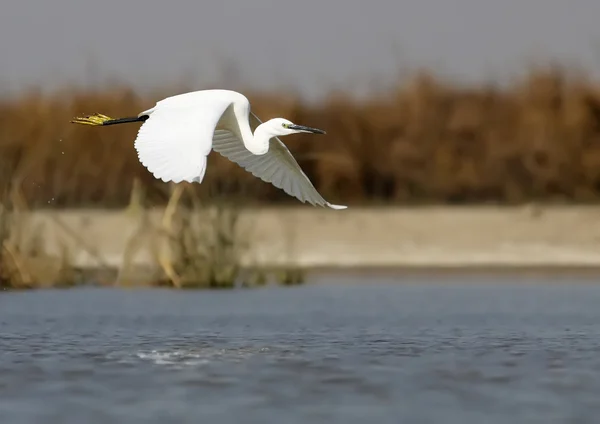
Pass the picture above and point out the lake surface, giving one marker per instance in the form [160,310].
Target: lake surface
[386,350]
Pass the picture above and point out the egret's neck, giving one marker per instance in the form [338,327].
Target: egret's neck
[258,143]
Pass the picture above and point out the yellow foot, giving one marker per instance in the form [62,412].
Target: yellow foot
[95,119]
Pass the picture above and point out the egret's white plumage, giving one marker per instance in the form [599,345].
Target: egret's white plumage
[179,132]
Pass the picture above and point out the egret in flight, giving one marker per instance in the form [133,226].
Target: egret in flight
[179,132]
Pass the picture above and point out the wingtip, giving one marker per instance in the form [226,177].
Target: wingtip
[337,207]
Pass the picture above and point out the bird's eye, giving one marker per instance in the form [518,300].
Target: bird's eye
[284,125]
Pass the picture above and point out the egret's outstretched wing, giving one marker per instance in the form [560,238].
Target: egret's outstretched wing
[174,141]
[277,166]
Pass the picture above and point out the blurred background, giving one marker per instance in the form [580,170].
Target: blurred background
[428,106]
[461,101]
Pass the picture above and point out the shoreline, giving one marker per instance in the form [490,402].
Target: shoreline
[378,239]
[107,278]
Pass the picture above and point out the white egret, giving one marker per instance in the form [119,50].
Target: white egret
[179,132]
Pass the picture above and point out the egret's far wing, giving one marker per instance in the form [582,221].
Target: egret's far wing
[277,166]
[174,141]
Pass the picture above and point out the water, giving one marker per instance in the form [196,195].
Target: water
[378,352]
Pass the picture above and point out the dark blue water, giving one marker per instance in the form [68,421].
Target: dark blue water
[376,352]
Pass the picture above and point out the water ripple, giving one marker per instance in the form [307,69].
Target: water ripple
[382,353]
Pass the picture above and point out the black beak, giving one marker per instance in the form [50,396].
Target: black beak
[306,129]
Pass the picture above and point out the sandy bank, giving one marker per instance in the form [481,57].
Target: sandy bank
[562,236]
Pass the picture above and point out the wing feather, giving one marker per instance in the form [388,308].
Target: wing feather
[277,166]
[174,141]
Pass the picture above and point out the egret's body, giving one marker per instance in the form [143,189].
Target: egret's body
[179,132]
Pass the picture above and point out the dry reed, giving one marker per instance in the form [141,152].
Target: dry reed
[428,141]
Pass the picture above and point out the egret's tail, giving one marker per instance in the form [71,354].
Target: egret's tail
[98,119]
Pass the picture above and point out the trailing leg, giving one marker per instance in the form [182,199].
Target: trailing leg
[98,119]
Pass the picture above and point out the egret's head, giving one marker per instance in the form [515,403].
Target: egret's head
[281,126]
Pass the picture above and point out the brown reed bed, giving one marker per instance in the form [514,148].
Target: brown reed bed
[427,141]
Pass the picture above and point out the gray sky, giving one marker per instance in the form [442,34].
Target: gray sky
[308,45]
